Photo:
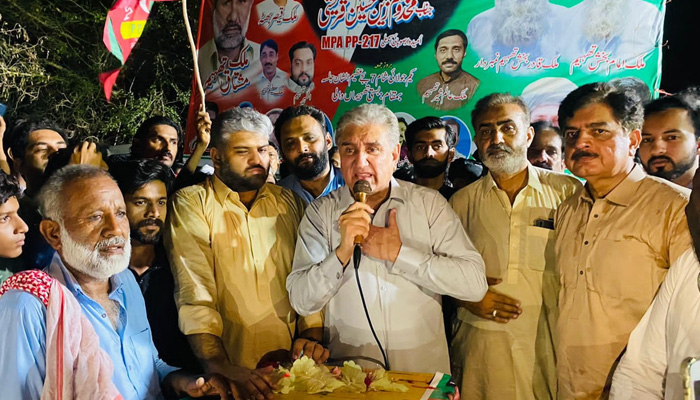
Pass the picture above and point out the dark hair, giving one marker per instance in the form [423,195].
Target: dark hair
[145,129]
[544,125]
[292,112]
[624,103]
[426,124]
[686,100]
[402,119]
[452,32]
[495,99]
[9,187]
[273,45]
[271,143]
[301,45]
[134,174]
[61,158]
[332,152]
[23,128]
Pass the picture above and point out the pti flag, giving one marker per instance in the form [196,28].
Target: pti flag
[123,27]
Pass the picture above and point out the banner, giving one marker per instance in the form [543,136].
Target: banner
[420,58]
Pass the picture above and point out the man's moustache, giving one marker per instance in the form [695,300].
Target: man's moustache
[150,222]
[113,241]
[449,61]
[499,147]
[656,158]
[580,154]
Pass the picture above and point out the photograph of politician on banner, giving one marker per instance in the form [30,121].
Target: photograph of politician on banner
[428,58]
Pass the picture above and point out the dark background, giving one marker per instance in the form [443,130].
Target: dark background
[680,66]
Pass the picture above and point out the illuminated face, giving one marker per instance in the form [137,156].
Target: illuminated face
[146,209]
[274,159]
[244,162]
[95,230]
[305,147]
[669,148]
[41,144]
[596,145]
[366,154]
[303,66]
[449,54]
[161,144]
[502,137]
[231,22]
[430,154]
[268,59]
[12,229]
[545,151]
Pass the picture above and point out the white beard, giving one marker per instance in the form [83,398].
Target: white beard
[519,22]
[507,164]
[603,19]
[89,261]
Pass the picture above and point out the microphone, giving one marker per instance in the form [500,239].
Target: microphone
[361,189]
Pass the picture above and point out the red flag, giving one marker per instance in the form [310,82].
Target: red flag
[123,27]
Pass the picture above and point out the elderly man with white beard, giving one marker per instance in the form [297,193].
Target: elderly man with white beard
[503,345]
[85,222]
[533,26]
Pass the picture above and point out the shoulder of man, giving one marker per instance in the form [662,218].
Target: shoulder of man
[23,305]
[665,189]
[559,181]
[465,194]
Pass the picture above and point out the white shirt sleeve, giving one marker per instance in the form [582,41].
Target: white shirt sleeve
[454,267]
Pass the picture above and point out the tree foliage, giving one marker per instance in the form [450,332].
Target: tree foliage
[51,53]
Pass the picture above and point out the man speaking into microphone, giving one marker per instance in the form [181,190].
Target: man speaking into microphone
[413,251]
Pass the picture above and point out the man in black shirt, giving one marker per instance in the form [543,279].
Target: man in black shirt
[145,185]
[431,148]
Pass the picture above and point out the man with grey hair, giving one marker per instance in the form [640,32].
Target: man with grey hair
[413,251]
[502,346]
[231,241]
[614,240]
[85,222]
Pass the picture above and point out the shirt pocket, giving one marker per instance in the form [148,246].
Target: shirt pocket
[141,362]
[623,270]
[540,249]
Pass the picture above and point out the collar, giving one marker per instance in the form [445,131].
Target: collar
[533,181]
[623,193]
[297,88]
[58,270]
[222,191]
[459,75]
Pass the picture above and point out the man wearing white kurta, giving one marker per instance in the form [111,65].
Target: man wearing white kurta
[414,251]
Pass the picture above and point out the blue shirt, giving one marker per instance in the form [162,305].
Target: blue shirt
[137,368]
[292,182]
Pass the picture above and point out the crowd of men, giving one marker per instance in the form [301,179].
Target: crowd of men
[144,277]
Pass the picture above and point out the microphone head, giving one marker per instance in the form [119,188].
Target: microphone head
[362,186]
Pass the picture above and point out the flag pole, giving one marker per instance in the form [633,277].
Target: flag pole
[193,49]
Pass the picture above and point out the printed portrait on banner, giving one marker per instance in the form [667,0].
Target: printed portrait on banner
[420,58]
